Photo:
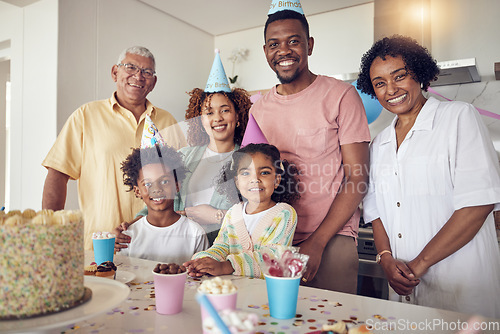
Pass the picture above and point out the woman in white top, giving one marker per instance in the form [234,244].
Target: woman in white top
[434,181]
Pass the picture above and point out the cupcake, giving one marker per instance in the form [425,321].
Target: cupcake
[106,269]
[90,270]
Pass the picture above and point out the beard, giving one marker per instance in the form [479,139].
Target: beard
[289,79]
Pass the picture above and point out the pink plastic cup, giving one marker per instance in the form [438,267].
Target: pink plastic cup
[169,292]
[221,302]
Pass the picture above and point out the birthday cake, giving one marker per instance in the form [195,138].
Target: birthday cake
[41,262]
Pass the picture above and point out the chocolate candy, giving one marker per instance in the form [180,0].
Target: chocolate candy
[106,266]
[169,268]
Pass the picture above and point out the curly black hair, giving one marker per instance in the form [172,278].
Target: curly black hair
[285,15]
[139,157]
[288,189]
[419,62]
[196,135]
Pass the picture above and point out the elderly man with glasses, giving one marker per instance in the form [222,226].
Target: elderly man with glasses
[98,136]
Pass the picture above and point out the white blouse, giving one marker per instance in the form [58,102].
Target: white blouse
[201,187]
[445,163]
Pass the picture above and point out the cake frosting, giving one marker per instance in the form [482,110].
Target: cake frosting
[41,262]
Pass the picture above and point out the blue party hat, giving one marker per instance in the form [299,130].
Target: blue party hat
[279,5]
[217,80]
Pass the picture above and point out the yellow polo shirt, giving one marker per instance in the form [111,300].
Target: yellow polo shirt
[95,140]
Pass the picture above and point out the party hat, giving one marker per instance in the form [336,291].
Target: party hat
[150,135]
[217,80]
[255,97]
[253,133]
[279,5]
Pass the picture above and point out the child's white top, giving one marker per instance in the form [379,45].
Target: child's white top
[251,220]
[175,243]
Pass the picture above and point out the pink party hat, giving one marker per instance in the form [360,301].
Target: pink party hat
[150,135]
[217,80]
[253,133]
[279,5]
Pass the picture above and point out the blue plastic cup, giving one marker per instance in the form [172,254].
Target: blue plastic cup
[282,295]
[104,250]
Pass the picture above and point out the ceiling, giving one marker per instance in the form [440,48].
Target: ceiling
[218,17]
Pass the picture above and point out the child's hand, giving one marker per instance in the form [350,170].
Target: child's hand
[190,267]
[120,237]
[207,265]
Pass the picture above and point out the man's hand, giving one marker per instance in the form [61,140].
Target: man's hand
[121,239]
[355,161]
[315,253]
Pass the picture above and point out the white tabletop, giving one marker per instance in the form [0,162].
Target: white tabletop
[315,307]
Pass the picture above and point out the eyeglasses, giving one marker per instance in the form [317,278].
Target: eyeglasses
[132,69]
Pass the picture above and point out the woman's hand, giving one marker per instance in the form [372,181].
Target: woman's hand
[399,275]
[202,214]
[207,265]
[417,267]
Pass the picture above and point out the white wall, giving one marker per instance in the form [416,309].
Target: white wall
[467,29]
[39,100]
[32,32]
[334,50]
[4,77]
[93,33]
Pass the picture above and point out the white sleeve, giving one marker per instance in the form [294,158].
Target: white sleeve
[477,176]
[370,210]
[202,243]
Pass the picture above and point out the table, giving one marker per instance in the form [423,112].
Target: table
[315,307]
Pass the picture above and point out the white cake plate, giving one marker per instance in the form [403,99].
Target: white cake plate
[106,294]
[124,276]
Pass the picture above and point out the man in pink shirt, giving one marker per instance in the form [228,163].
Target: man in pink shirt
[318,123]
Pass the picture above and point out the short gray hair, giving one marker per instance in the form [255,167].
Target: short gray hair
[137,50]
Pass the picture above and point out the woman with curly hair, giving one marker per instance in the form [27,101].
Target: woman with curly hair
[267,186]
[217,118]
[216,124]
[434,180]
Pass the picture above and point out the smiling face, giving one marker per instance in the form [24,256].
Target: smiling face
[132,89]
[256,179]
[394,86]
[287,48]
[219,120]
[156,186]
